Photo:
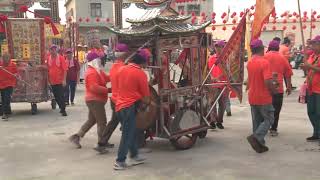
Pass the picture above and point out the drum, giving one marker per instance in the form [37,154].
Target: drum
[146,119]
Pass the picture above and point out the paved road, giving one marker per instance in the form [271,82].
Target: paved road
[36,147]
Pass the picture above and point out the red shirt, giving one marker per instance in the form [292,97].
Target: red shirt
[114,73]
[313,79]
[279,65]
[216,72]
[133,86]
[285,51]
[96,89]
[259,71]
[72,73]
[6,79]
[57,72]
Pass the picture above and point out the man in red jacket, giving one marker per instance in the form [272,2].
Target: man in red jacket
[133,88]
[57,68]
[281,69]
[7,83]
[260,96]
[121,53]
[96,97]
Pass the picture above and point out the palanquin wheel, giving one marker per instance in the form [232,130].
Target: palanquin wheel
[184,142]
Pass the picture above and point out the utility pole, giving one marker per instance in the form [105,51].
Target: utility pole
[117,5]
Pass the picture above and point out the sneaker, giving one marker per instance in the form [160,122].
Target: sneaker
[5,117]
[253,141]
[72,103]
[229,113]
[264,148]
[313,138]
[144,150]
[101,149]
[137,160]
[120,166]
[64,113]
[274,133]
[108,145]
[213,125]
[75,140]
[220,126]
[67,103]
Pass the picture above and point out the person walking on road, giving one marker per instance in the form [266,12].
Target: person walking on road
[312,66]
[260,87]
[96,98]
[57,68]
[72,77]
[133,92]
[281,69]
[8,70]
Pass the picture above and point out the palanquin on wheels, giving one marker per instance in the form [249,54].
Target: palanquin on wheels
[177,68]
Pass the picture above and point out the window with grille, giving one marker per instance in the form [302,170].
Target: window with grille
[95,9]
[194,8]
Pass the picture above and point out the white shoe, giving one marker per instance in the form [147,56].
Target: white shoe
[137,160]
[120,166]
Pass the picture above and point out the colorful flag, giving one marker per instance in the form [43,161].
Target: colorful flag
[263,10]
[231,60]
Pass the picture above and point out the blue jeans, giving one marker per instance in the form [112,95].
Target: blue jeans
[262,119]
[128,142]
[313,104]
[70,91]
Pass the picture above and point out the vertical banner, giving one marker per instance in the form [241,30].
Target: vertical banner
[231,60]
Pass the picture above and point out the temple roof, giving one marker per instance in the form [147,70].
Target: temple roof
[165,28]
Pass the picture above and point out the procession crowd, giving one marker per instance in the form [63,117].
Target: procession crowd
[268,71]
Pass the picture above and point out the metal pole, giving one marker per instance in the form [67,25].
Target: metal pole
[301,29]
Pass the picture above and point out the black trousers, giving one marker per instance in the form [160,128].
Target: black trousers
[6,100]
[58,92]
[277,100]
[70,91]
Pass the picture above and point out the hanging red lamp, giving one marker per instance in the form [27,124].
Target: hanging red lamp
[284,27]
[213,28]
[274,28]
[224,28]
[87,19]
[224,21]
[233,28]
[213,21]
[234,21]
[294,27]
[80,19]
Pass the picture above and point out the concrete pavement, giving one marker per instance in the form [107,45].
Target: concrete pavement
[36,147]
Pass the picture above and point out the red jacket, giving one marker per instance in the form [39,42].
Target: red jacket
[7,79]
[96,89]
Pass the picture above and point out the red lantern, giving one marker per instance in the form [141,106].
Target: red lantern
[294,27]
[252,8]
[213,21]
[318,16]
[224,28]
[314,12]
[313,26]
[193,21]
[274,28]
[193,14]
[224,21]
[108,20]
[285,21]
[284,27]
[294,20]
[313,19]
[234,21]
[87,19]
[304,20]
[305,13]
[80,19]
[203,14]
[70,19]
[233,28]
[294,14]
[213,28]
[304,27]
[97,19]
[264,28]
[233,14]
[182,13]
[213,14]
[241,14]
